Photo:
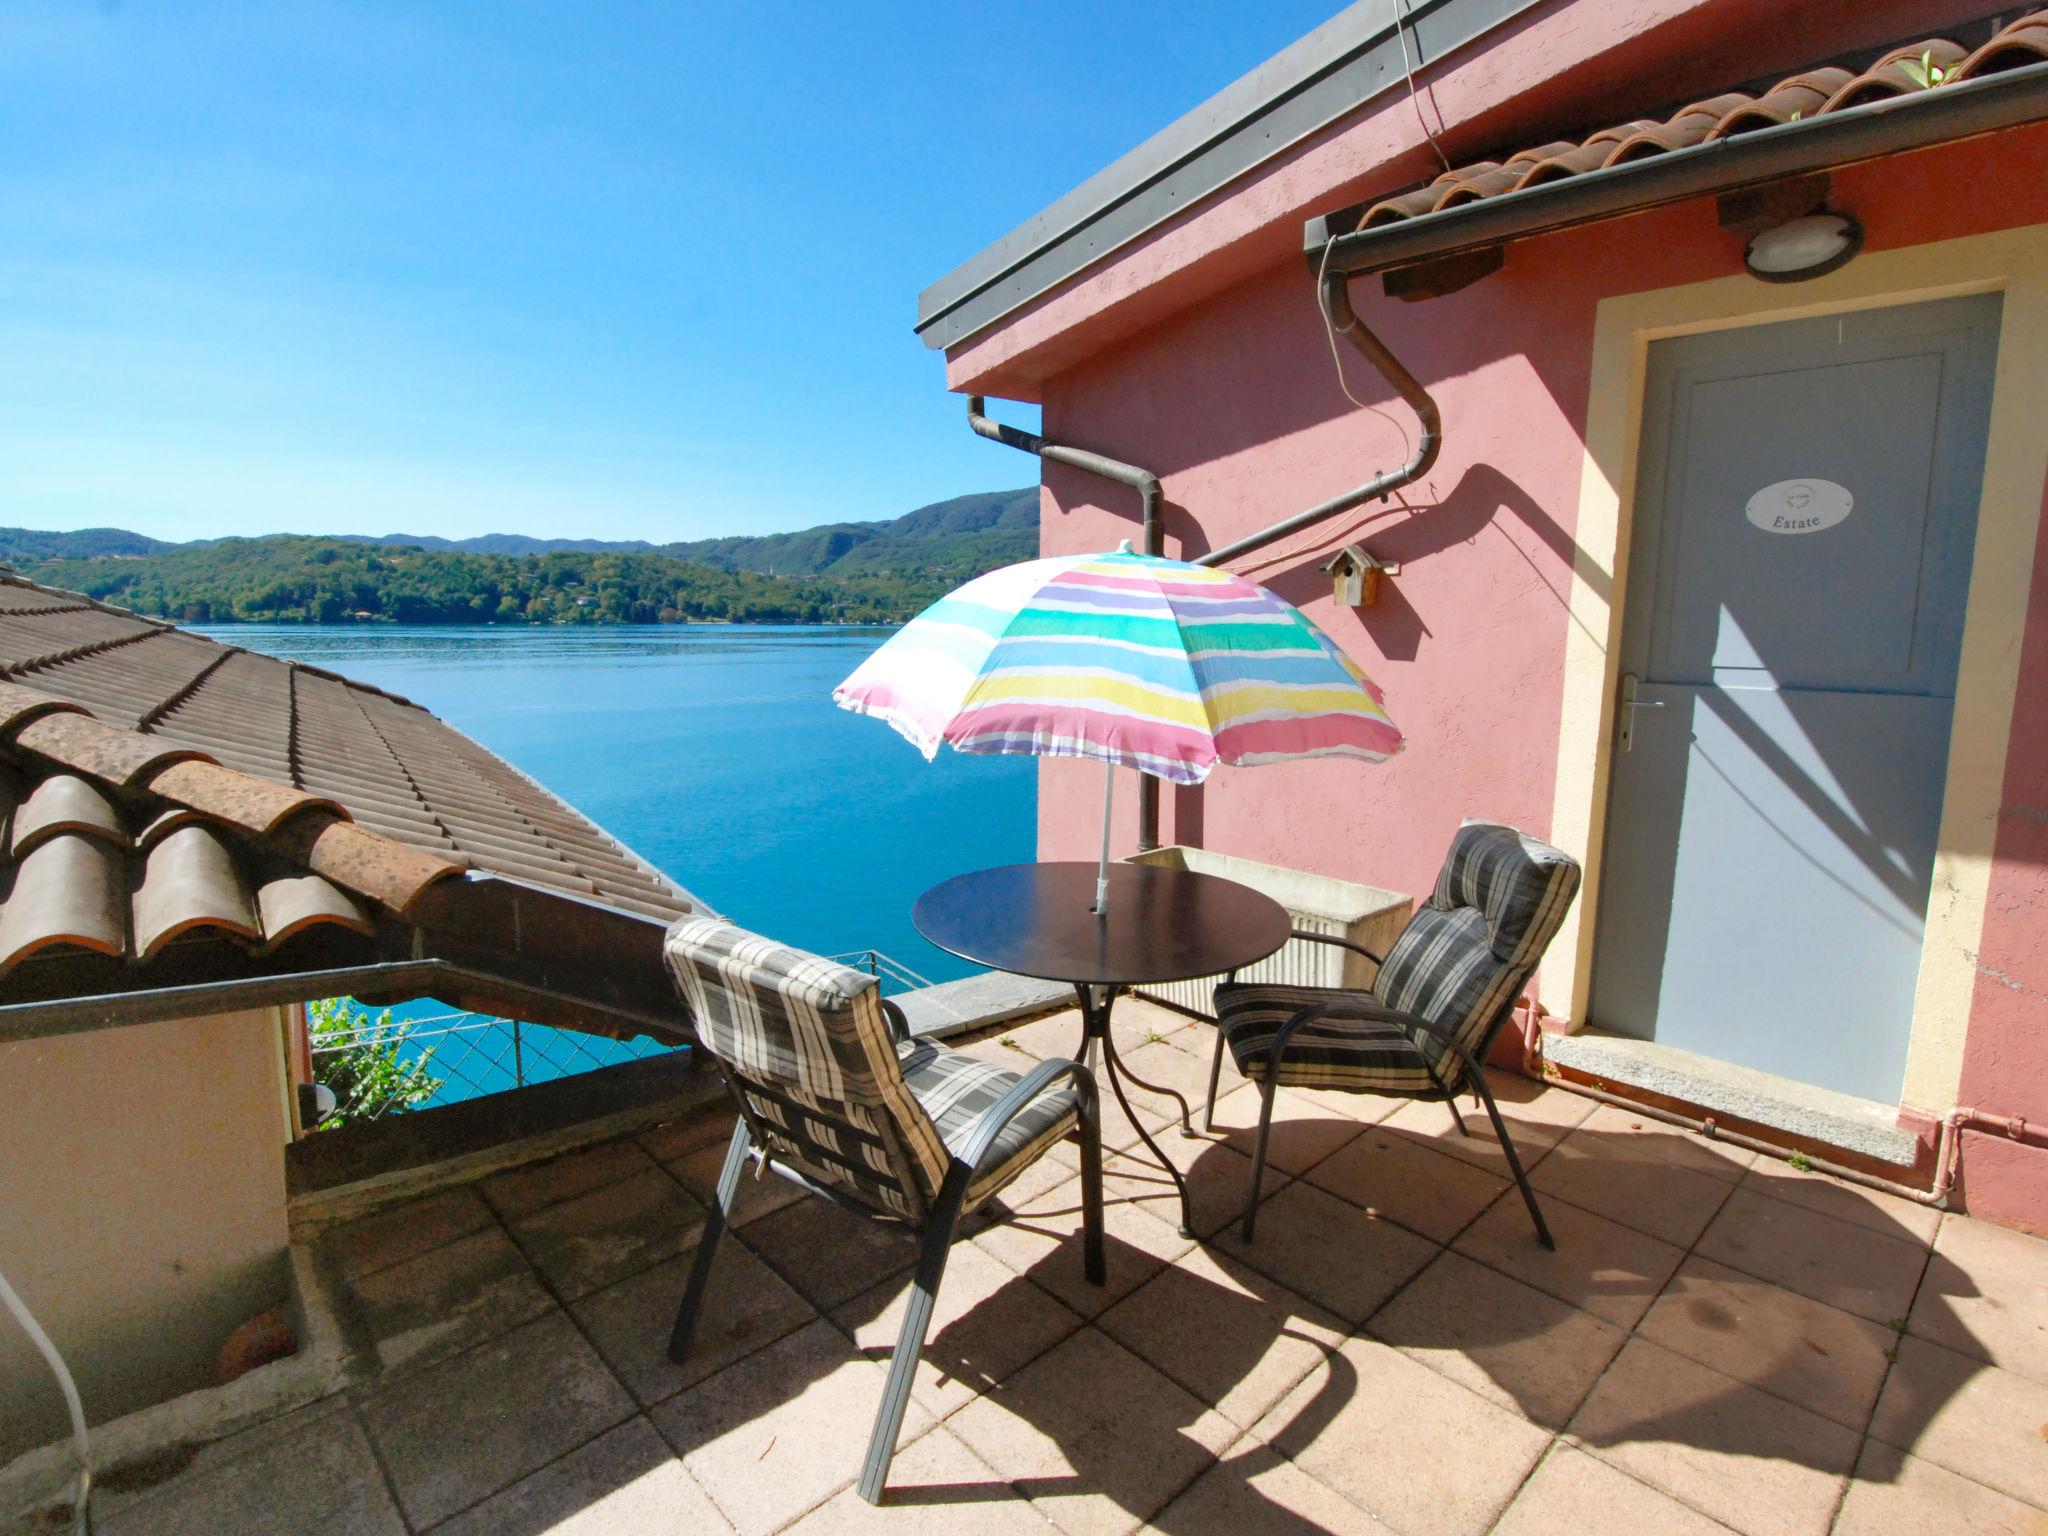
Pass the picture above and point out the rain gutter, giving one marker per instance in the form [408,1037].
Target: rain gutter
[1893,126]
[1344,321]
[1146,484]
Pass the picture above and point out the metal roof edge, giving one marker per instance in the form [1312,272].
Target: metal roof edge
[1898,125]
[1313,82]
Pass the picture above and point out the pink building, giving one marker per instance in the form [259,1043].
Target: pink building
[1727,585]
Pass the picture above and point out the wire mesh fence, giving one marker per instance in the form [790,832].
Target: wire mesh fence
[422,1056]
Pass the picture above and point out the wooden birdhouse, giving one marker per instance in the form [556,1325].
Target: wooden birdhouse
[1355,575]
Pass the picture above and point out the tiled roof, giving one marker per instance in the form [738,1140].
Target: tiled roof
[156,780]
[1904,71]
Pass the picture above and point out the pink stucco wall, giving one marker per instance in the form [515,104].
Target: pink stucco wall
[2005,1062]
[1231,400]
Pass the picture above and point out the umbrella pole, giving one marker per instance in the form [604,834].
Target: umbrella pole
[1102,868]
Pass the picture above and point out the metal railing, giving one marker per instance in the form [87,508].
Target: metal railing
[378,1064]
[893,974]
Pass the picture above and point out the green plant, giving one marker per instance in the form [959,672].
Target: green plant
[361,1066]
[1925,73]
[1801,1161]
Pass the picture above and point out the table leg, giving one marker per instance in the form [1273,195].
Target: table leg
[1187,1128]
[1095,1029]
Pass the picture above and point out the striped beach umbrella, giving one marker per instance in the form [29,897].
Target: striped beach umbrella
[1132,660]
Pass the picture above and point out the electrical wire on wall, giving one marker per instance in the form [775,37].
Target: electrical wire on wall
[81,1523]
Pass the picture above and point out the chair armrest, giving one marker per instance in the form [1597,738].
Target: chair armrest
[989,1125]
[899,1021]
[1330,938]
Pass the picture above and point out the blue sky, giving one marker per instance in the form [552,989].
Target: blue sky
[606,270]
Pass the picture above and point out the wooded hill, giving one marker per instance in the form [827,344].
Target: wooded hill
[868,573]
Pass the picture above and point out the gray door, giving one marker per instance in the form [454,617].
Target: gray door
[1800,564]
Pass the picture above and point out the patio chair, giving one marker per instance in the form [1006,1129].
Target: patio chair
[835,1095]
[1443,991]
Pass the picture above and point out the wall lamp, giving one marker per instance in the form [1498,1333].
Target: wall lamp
[1812,246]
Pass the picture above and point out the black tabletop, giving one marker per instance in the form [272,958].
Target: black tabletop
[1040,920]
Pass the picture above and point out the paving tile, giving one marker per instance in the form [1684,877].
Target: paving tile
[778,1433]
[1838,1262]
[828,1254]
[1329,1251]
[1607,1269]
[1891,1215]
[1986,1423]
[1183,1071]
[1537,1118]
[1042,1241]
[1986,1294]
[1402,1442]
[1396,1176]
[404,1232]
[1893,1492]
[986,1323]
[757,1195]
[1059,1164]
[447,1299]
[680,1137]
[1790,1345]
[937,1487]
[1233,1337]
[1755,1462]
[1094,1436]
[1643,1139]
[626,1482]
[746,1308]
[1255,1491]
[335,1489]
[1530,1353]
[522,1191]
[457,1432]
[1305,1130]
[1218,1179]
[1573,1494]
[1634,1181]
[590,1240]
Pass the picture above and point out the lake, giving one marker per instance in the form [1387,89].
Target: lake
[716,753]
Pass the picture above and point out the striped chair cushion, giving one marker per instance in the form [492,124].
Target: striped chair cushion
[807,1039]
[1460,963]
[1349,1054]
[956,1088]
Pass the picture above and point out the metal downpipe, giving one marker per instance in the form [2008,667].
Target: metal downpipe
[1336,296]
[1146,484]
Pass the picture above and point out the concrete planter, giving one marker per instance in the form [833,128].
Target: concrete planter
[1364,914]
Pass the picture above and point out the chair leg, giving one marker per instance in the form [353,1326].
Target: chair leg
[1457,1119]
[1267,1090]
[1507,1146]
[1215,1073]
[1091,1190]
[917,1320]
[707,1244]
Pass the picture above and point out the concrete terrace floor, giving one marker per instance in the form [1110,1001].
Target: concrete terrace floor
[1718,1343]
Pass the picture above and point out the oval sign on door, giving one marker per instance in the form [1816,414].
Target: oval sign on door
[1800,506]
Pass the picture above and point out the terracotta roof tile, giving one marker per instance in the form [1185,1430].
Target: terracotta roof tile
[241,799]
[69,890]
[255,742]
[190,880]
[1812,93]
[62,803]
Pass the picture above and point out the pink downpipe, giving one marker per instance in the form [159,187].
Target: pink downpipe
[1948,1152]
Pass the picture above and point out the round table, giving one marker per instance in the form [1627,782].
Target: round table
[1160,925]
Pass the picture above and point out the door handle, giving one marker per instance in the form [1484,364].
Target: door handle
[1629,705]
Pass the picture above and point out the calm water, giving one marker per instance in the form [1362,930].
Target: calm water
[715,752]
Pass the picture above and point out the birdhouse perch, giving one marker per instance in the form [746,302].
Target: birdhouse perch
[1355,575]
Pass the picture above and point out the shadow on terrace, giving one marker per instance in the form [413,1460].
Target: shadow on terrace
[1714,1340]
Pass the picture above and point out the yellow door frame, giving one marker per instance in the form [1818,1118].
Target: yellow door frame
[2012,262]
